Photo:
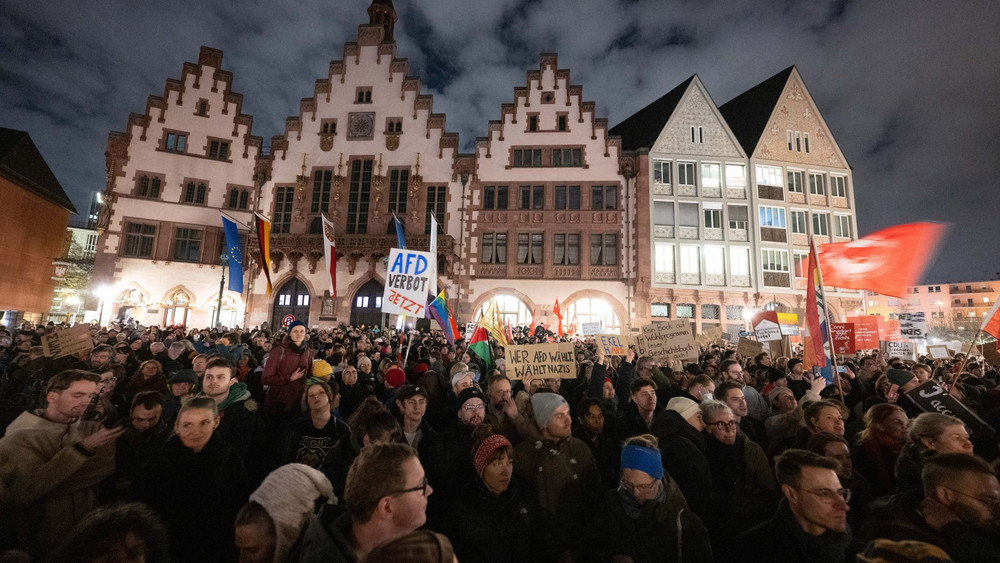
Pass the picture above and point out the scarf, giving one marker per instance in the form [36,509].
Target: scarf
[632,507]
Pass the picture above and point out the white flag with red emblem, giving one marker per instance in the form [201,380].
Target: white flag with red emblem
[330,253]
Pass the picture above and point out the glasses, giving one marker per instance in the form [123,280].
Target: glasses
[993,503]
[731,425]
[473,407]
[633,488]
[422,488]
[830,496]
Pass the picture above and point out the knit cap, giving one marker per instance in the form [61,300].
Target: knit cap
[395,377]
[322,370]
[774,374]
[683,406]
[898,376]
[544,405]
[289,494]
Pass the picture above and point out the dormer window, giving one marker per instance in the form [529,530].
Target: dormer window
[202,108]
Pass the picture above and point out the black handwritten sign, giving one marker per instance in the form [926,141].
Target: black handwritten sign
[555,360]
[669,341]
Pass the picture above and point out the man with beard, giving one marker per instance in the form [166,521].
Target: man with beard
[51,462]
[449,467]
[958,510]
[237,412]
[145,434]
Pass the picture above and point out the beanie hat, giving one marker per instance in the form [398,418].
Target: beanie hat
[485,450]
[777,392]
[898,376]
[693,369]
[774,374]
[322,370]
[462,375]
[793,362]
[395,377]
[469,393]
[544,406]
[294,324]
[682,406]
[183,376]
[288,495]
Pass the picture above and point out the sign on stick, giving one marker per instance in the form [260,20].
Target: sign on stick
[68,341]
[407,282]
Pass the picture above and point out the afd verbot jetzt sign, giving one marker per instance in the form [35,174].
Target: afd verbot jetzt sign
[407,282]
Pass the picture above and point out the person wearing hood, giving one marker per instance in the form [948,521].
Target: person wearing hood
[284,373]
[811,520]
[238,418]
[180,386]
[679,431]
[269,528]
[646,517]
[197,484]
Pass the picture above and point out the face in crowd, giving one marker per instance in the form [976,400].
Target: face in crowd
[217,381]
[593,420]
[818,500]
[194,427]
[723,427]
[143,419]
[560,425]
[829,420]
[472,412]
[497,474]
[72,402]
[737,402]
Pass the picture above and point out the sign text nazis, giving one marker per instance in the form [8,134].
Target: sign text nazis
[555,361]
[407,282]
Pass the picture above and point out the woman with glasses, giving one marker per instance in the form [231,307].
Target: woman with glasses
[491,519]
[646,518]
[930,434]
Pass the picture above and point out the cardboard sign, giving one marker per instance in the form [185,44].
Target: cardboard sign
[469,329]
[866,336]
[556,360]
[913,325]
[590,329]
[612,344]
[789,323]
[902,350]
[669,341]
[931,397]
[955,347]
[710,336]
[991,355]
[67,342]
[893,332]
[407,282]
[938,352]
[749,348]
[842,335]
[766,327]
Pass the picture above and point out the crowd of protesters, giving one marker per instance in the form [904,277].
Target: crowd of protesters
[366,444]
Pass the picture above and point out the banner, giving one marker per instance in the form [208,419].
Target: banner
[590,329]
[866,335]
[556,360]
[843,338]
[891,331]
[330,254]
[938,352]
[234,255]
[749,348]
[407,282]
[669,341]
[913,325]
[613,344]
[902,350]
[70,341]
[931,397]
[789,323]
[765,326]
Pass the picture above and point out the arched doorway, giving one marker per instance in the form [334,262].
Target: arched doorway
[178,308]
[292,299]
[366,308]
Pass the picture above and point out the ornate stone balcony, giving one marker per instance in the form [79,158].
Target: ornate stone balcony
[663,189]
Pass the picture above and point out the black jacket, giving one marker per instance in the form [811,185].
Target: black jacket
[312,454]
[489,528]
[326,540]
[197,495]
[782,540]
[682,448]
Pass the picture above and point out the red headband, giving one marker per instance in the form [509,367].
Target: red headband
[492,443]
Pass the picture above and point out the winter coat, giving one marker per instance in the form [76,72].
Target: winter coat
[282,393]
[239,421]
[664,529]
[327,538]
[744,489]
[909,464]
[448,463]
[789,543]
[197,495]
[49,485]
[682,448]
[316,452]
[877,463]
[493,528]
[630,422]
[134,449]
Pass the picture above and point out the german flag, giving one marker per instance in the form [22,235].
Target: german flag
[263,228]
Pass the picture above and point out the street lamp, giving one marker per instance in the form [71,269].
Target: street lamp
[223,260]
[103,293]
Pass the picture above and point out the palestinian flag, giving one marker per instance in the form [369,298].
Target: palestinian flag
[480,345]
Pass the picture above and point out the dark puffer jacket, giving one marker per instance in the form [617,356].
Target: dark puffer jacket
[492,528]
[683,450]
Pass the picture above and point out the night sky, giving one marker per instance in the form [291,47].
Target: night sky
[911,90]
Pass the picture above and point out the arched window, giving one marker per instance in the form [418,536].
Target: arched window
[177,309]
[592,310]
[512,309]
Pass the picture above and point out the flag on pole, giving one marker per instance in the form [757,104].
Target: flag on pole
[400,235]
[509,333]
[480,345]
[438,308]
[330,253]
[886,262]
[817,350]
[434,255]
[558,314]
[991,324]
[534,320]
[234,254]
[263,228]
[491,321]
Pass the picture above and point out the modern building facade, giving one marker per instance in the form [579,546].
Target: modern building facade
[951,309]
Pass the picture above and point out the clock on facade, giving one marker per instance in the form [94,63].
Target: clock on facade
[360,126]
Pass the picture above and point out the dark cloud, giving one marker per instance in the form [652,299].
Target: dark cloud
[909,89]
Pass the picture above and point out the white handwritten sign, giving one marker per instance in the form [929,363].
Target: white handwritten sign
[590,329]
[904,350]
[407,282]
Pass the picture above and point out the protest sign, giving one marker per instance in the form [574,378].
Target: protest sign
[913,325]
[469,329]
[714,333]
[555,360]
[866,336]
[766,327]
[931,397]
[789,323]
[893,332]
[955,347]
[67,342]
[938,352]
[749,348]
[903,350]
[590,329]
[991,355]
[842,335]
[669,341]
[613,344]
[407,282]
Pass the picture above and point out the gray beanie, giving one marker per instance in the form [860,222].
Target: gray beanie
[543,405]
[288,494]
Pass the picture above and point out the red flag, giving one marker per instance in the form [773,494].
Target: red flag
[991,324]
[558,314]
[510,333]
[886,262]
[534,319]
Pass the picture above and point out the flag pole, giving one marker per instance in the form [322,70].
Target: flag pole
[965,360]
[829,330]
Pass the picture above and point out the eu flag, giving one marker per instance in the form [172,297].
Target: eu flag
[400,237]
[234,254]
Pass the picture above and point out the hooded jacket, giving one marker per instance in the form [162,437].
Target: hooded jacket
[493,528]
[238,419]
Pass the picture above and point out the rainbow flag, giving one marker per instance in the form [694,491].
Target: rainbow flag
[438,308]
[263,228]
